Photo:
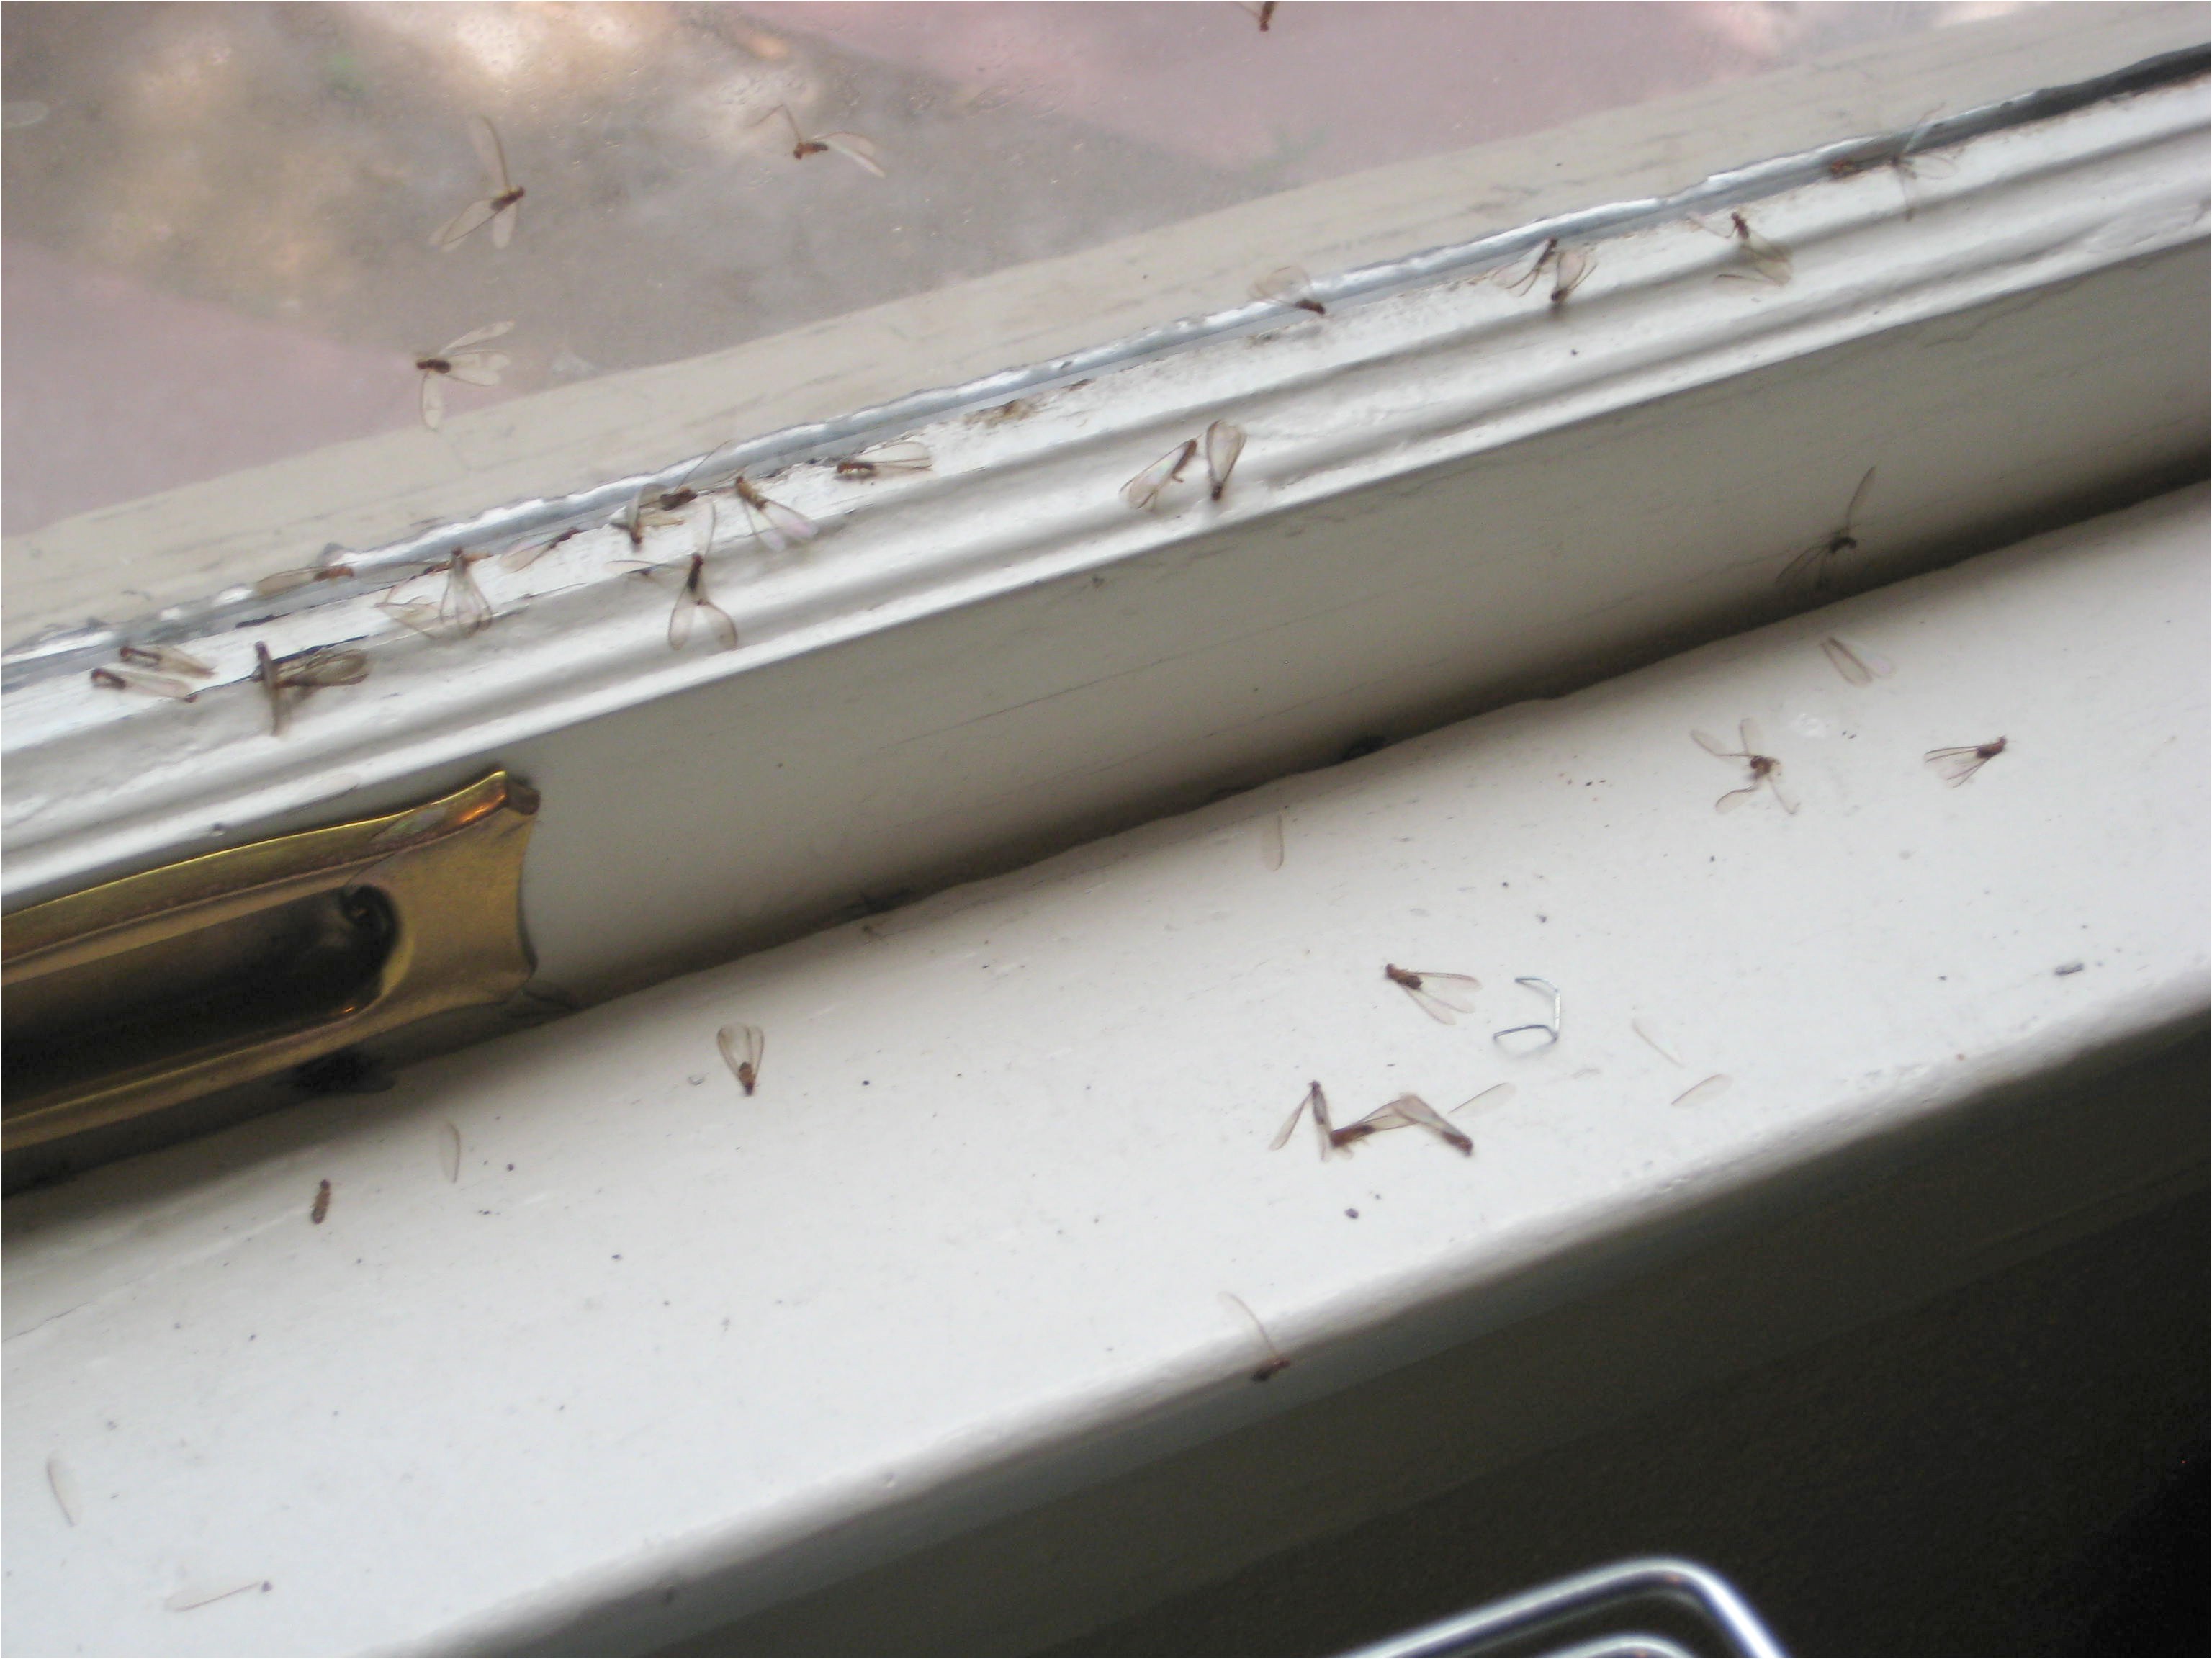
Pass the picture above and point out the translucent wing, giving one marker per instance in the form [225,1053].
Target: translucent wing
[1754,739]
[168,660]
[1699,1093]
[457,229]
[1408,1111]
[798,138]
[491,153]
[1734,798]
[1858,501]
[1783,792]
[140,679]
[1499,1094]
[449,1151]
[1225,442]
[1289,1124]
[1270,841]
[794,524]
[1571,269]
[462,608]
[433,399]
[1810,568]
[1657,1046]
[1855,669]
[742,1046]
[475,336]
[1955,766]
[476,368]
[860,152]
[328,664]
[1506,278]
[503,224]
[1713,745]
[1289,285]
[521,558]
[907,457]
[1436,995]
[1143,492]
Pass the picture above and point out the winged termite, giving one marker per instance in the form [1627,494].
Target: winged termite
[772,521]
[688,604]
[322,1208]
[1699,1093]
[285,582]
[139,679]
[742,1046]
[1225,442]
[303,671]
[1810,568]
[1276,1364]
[455,361]
[1263,10]
[1436,995]
[1289,285]
[498,210]
[860,152]
[890,457]
[1516,279]
[1769,262]
[1955,766]
[461,610]
[1406,1112]
[1312,1100]
[1902,156]
[1570,268]
[168,659]
[1764,768]
[1858,666]
[1143,492]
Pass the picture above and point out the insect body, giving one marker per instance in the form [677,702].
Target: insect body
[688,604]
[742,1046]
[1770,262]
[461,609]
[458,361]
[1764,768]
[1810,568]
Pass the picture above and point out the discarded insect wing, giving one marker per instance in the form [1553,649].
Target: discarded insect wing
[498,208]
[1436,995]
[284,581]
[64,1489]
[322,1203]
[1570,269]
[1770,262]
[1288,285]
[688,604]
[1859,667]
[138,679]
[1143,492]
[1276,1364]
[1499,1094]
[462,608]
[1810,568]
[1264,10]
[1317,1103]
[1657,1048]
[1699,1093]
[1270,841]
[742,1046]
[184,1600]
[892,458]
[1955,766]
[772,521]
[1225,442]
[1407,1112]
[449,1151]
[168,659]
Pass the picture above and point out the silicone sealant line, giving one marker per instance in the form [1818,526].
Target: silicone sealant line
[64,649]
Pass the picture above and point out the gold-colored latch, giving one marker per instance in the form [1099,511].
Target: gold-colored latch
[140,993]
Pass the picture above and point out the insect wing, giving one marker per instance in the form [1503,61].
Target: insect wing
[1783,792]
[503,224]
[1713,745]
[1572,268]
[1453,990]
[1499,1094]
[1858,501]
[168,658]
[1289,285]
[457,229]
[1225,442]
[1291,1123]
[476,336]
[1697,1093]
[462,607]
[1735,798]
[1506,278]
[139,679]
[329,665]
[1754,739]
[1955,766]
[860,152]
[1810,568]
[491,153]
[1847,662]
[794,526]
[434,400]
[1271,843]
[1418,1113]
[1143,492]
[477,368]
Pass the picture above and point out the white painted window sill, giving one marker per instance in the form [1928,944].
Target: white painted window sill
[666,1358]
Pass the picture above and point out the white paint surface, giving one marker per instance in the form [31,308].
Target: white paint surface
[1010,1145]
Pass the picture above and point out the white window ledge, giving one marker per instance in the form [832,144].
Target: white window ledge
[667,1357]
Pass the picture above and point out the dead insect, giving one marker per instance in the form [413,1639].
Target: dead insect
[1262,9]
[1770,262]
[1858,667]
[1143,491]
[892,458]
[1436,995]
[137,680]
[456,362]
[498,209]
[772,521]
[284,581]
[1317,1103]
[1289,285]
[168,659]
[1225,442]
[461,610]
[742,1046]
[303,671]
[860,152]
[1571,270]
[1810,568]
[1897,154]
[1406,1112]
[688,604]
[322,1203]
[1568,267]
[1764,768]
[1955,766]
[1515,280]
[1276,1364]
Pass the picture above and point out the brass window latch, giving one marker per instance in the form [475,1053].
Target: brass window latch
[146,992]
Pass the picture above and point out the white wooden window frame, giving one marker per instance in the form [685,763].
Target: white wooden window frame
[694,1358]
